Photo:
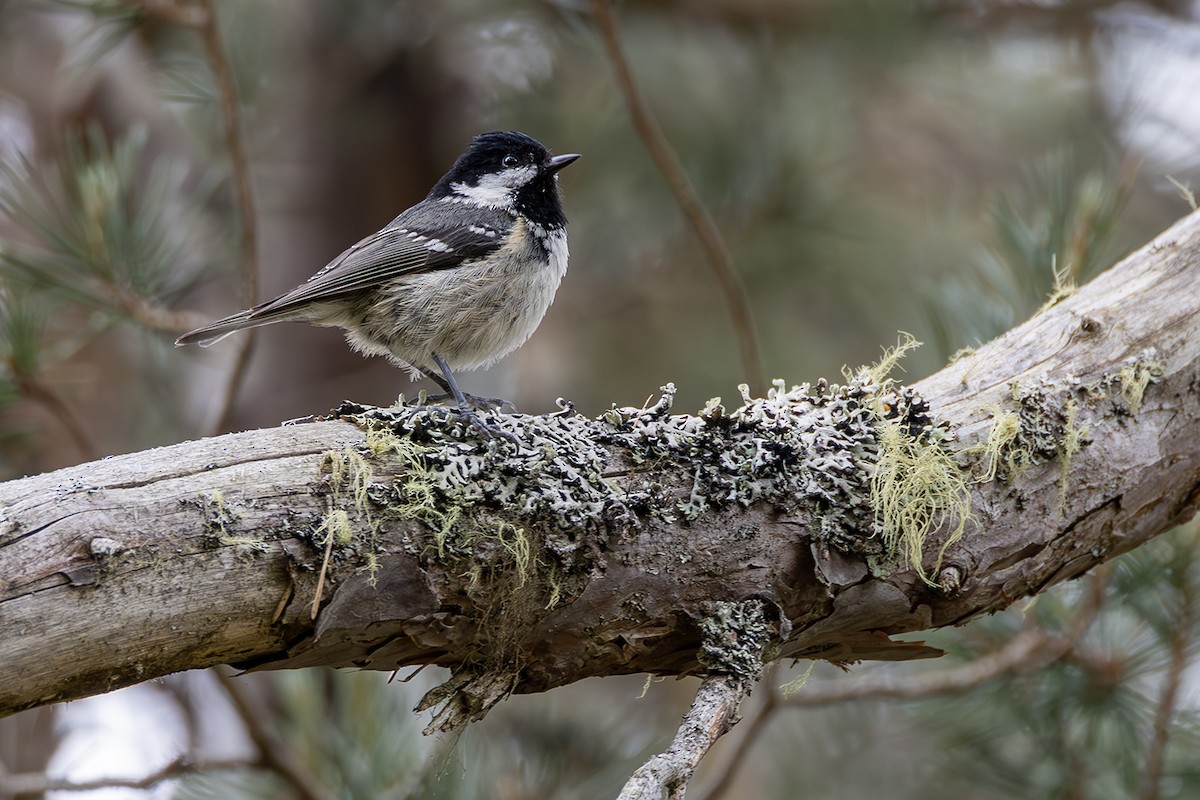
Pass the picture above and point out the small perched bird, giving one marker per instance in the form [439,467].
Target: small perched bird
[456,282]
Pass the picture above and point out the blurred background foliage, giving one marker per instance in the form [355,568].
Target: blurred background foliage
[934,166]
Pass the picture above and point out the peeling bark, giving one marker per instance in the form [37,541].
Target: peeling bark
[210,552]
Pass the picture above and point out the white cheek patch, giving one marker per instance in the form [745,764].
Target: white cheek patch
[495,190]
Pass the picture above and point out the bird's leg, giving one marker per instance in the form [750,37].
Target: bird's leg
[463,407]
[489,403]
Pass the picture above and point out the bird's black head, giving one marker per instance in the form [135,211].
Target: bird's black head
[509,170]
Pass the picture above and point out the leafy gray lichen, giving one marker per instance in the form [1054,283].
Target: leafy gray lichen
[734,637]
[809,450]
[805,450]
[554,482]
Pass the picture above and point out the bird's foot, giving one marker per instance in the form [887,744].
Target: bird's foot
[491,431]
[468,413]
[482,403]
[467,403]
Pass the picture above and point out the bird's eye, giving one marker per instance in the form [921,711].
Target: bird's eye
[510,161]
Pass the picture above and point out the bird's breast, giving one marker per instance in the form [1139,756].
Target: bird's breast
[476,313]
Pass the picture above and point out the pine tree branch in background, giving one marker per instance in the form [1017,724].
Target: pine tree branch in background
[1180,642]
[693,210]
[600,547]
[153,316]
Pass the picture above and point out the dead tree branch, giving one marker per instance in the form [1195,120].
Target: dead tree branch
[595,548]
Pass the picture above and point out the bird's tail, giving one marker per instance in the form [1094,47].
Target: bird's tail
[214,332]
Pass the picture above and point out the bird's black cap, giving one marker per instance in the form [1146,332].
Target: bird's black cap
[495,152]
[487,155]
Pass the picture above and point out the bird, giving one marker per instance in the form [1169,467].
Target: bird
[456,282]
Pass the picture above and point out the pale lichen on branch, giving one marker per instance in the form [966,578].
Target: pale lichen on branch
[829,454]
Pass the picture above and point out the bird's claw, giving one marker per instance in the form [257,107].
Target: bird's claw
[470,415]
[482,403]
[491,431]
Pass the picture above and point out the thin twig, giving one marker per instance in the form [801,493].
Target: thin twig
[239,161]
[273,754]
[713,713]
[151,315]
[46,397]
[1156,753]
[183,14]
[316,603]
[751,728]
[20,784]
[685,195]
[201,16]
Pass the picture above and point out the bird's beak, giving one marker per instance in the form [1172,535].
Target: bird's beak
[558,162]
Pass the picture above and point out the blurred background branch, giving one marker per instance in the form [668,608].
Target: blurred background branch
[218,60]
[1032,649]
[38,783]
[668,164]
[272,754]
[204,19]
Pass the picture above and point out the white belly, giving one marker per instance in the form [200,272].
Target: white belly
[471,315]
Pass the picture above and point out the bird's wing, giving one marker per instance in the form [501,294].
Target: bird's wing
[409,245]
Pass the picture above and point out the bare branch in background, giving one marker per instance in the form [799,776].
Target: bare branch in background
[672,171]
[734,638]
[712,714]
[752,728]
[273,754]
[35,390]
[202,17]
[235,144]
[37,783]
[1029,651]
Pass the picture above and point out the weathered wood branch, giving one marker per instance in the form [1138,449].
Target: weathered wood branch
[593,550]
[734,638]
